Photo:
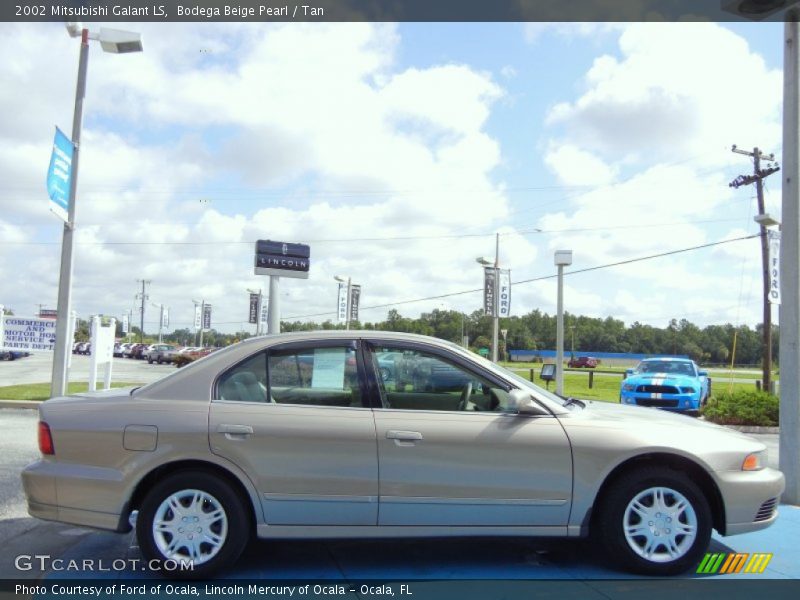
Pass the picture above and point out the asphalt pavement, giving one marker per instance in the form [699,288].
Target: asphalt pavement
[37,368]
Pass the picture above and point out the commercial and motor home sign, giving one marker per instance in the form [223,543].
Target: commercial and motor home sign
[30,334]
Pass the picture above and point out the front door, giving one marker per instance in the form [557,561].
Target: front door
[451,454]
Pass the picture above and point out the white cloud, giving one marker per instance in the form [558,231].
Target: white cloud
[172,135]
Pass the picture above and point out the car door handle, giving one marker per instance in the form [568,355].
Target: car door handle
[404,438]
[235,432]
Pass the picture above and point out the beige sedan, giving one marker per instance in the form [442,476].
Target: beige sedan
[303,436]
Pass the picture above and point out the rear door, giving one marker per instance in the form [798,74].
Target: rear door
[294,419]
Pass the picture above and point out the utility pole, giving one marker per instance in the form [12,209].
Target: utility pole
[143,297]
[758,178]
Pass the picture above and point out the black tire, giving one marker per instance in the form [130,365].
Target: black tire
[158,360]
[234,534]
[613,515]
[149,361]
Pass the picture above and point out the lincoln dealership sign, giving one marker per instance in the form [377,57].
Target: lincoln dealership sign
[282,259]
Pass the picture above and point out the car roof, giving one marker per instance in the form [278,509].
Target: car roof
[197,377]
[667,359]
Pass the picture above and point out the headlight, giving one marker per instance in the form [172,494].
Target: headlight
[687,390]
[629,387]
[754,461]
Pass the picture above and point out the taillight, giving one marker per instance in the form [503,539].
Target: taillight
[45,439]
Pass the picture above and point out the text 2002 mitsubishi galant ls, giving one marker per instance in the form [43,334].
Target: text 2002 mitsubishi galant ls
[300,435]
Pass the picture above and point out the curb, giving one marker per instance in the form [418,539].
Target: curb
[754,428]
[20,403]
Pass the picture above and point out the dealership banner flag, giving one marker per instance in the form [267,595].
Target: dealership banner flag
[488,291]
[341,310]
[253,309]
[355,296]
[206,317]
[59,175]
[165,323]
[504,293]
[264,313]
[774,266]
[125,324]
[197,316]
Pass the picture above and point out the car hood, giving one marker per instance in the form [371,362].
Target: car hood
[605,426]
[661,379]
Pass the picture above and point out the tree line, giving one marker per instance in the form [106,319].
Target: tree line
[536,330]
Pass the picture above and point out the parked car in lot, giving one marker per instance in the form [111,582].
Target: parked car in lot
[120,348]
[13,354]
[139,351]
[589,362]
[670,383]
[161,353]
[299,435]
[82,348]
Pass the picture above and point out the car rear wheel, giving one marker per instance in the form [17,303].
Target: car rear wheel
[192,518]
[655,521]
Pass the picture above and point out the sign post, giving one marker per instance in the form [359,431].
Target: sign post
[102,351]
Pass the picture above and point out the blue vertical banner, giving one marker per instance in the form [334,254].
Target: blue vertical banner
[59,174]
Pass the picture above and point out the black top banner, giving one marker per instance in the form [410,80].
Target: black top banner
[395,10]
[283,249]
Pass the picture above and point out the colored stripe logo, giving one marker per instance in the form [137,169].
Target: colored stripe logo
[722,563]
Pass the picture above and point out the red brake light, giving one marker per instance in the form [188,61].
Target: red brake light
[45,439]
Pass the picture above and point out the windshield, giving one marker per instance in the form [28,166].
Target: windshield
[666,366]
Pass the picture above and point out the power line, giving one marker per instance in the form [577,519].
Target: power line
[541,278]
[406,238]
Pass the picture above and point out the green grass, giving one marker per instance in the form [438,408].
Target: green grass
[41,391]
[606,388]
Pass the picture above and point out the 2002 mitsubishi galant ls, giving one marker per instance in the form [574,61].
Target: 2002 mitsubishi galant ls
[299,436]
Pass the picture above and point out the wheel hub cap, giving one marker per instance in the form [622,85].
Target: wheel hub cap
[190,525]
[660,524]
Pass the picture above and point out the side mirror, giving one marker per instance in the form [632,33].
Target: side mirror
[521,402]
[702,373]
[628,373]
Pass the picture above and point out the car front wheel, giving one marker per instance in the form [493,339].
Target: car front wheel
[192,518]
[655,521]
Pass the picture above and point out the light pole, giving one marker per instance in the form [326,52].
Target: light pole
[572,346]
[160,308]
[118,42]
[348,281]
[563,258]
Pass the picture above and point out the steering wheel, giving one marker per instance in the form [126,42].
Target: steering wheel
[466,392]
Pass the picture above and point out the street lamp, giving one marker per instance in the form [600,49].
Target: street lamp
[348,281]
[562,258]
[572,346]
[118,42]
[489,263]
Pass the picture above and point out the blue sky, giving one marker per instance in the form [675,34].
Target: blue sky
[612,139]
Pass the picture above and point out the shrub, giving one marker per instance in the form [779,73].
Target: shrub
[742,407]
[182,359]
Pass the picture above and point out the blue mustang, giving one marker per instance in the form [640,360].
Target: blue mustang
[669,383]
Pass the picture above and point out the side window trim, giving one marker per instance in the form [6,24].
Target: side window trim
[354,344]
[215,386]
[438,353]
[370,345]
